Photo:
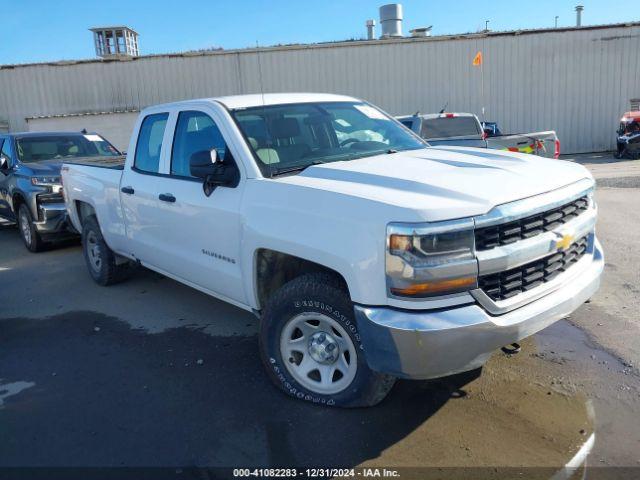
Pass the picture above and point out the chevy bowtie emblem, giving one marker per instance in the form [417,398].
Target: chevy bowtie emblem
[565,242]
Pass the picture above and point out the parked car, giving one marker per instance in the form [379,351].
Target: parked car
[464,129]
[30,190]
[366,255]
[628,142]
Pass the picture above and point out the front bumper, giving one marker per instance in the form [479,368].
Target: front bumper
[431,344]
[52,219]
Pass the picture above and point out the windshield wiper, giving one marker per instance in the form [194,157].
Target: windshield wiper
[297,168]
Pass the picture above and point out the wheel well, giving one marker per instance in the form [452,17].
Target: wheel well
[17,200]
[84,210]
[274,269]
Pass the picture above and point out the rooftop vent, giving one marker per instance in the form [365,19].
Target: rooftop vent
[391,20]
[421,31]
[371,29]
[115,42]
[579,9]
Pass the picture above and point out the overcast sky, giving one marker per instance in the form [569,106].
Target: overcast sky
[47,30]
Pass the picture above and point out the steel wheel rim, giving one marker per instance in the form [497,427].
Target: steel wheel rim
[25,229]
[306,348]
[94,252]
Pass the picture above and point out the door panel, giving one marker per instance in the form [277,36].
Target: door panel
[200,235]
[140,188]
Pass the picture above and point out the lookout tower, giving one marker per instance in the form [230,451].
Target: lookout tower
[118,41]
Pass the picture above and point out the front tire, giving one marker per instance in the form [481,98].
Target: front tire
[30,236]
[311,347]
[102,263]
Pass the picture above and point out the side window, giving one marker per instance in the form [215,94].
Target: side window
[195,131]
[5,151]
[149,144]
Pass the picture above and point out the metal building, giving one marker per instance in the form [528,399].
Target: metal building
[577,81]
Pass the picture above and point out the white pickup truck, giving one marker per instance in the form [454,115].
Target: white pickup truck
[367,255]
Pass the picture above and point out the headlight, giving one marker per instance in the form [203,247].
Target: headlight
[45,181]
[432,259]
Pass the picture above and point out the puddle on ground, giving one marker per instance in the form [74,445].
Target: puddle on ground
[13,388]
[574,364]
[536,408]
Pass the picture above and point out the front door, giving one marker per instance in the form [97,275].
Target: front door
[199,235]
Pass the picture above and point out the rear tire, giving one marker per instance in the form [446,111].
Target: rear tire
[101,261]
[30,236]
[311,347]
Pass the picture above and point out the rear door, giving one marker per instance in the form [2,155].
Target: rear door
[140,188]
[198,237]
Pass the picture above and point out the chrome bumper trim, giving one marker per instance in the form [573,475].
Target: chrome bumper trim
[430,344]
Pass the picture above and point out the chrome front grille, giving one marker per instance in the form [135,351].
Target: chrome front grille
[509,283]
[530,226]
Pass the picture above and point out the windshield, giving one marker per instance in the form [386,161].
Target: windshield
[51,147]
[445,127]
[630,127]
[291,137]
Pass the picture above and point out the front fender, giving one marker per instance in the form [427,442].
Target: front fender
[344,234]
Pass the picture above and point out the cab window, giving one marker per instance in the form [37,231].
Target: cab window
[195,131]
[149,146]
[5,151]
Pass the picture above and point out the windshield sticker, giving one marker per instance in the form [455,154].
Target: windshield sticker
[93,138]
[371,112]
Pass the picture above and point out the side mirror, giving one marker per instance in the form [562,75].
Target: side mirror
[204,163]
[4,162]
[214,172]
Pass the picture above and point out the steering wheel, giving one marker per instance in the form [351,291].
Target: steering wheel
[348,141]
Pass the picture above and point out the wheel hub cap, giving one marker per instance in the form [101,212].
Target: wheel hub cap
[323,348]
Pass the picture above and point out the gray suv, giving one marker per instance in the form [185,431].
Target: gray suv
[30,188]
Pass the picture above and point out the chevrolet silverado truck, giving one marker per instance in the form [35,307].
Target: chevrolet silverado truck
[366,254]
[30,190]
[465,130]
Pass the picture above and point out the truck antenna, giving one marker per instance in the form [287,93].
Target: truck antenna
[444,108]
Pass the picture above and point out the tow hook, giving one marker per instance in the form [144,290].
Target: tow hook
[511,349]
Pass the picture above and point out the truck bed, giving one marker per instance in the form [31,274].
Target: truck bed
[540,143]
[115,163]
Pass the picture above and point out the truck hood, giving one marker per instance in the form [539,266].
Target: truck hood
[441,183]
[44,167]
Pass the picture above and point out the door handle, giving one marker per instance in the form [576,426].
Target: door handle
[167,197]
[128,190]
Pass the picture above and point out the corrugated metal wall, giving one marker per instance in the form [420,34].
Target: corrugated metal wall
[576,81]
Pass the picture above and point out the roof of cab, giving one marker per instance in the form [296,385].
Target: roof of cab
[234,102]
[46,134]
